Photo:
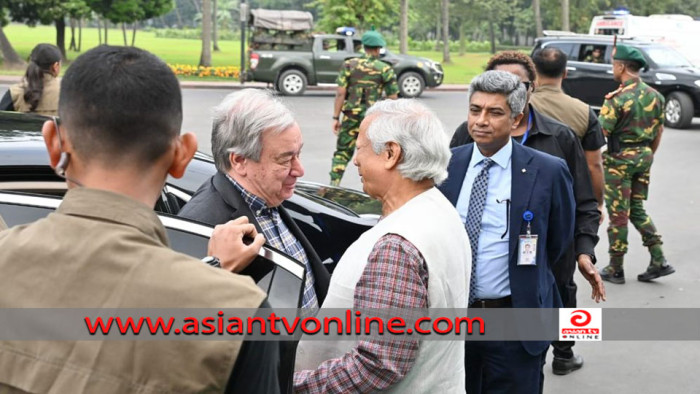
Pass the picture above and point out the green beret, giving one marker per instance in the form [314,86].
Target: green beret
[625,52]
[373,38]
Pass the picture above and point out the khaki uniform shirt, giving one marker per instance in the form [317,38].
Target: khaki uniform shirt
[48,104]
[105,250]
[553,102]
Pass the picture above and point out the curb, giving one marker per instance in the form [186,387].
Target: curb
[12,79]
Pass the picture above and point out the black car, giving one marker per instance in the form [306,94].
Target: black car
[668,72]
[330,217]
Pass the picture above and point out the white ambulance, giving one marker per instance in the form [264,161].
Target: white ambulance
[677,31]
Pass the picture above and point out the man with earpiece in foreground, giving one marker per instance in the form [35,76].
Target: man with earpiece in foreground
[104,247]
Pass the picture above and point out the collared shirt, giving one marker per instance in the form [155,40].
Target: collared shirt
[551,136]
[396,276]
[492,279]
[278,235]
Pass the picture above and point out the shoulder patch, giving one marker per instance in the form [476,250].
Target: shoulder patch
[613,93]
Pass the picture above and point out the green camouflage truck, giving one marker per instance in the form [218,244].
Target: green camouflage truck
[284,54]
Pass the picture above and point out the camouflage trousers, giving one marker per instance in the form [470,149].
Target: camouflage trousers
[345,147]
[626,188]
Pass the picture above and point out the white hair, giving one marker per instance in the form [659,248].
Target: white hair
[239,122]
[417,130]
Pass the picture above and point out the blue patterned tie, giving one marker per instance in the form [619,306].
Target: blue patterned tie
[477,200]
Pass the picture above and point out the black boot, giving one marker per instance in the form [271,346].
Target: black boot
[655,271]
[613,274]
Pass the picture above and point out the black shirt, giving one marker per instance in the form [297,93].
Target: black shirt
[594,138]
[550,136]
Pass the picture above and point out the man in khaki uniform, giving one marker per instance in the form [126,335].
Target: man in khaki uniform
[104,247]
[550,99]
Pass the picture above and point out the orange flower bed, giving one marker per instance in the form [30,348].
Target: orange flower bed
[198,71]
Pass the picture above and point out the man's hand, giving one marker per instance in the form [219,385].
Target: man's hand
[227,244]
[336,126]
[587,269]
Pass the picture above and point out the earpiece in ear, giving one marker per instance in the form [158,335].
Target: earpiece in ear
[62,164]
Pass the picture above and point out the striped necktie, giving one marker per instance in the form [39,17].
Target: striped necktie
[477,200]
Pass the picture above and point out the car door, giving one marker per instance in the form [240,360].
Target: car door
[283,283]
[588,81]
[329,55]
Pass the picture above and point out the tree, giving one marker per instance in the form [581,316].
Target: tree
[565,15]
[151,9]
[44,12]
[445,8]
[10,57]
[128,12]
[403,27]
[538,17]
[363,14]
[215,31]
[205,58]
[76,10]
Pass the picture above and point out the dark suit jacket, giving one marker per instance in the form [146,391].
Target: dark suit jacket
[217,201]
[541,184]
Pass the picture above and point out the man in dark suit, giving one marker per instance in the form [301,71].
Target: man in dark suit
[542,133]
[256,145]
[502,189]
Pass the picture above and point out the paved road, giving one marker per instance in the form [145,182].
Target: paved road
[674,202]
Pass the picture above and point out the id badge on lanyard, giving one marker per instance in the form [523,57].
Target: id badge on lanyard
[527,243]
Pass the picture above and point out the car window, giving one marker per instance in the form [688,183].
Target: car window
[14,215]
[667,57]
[333,45]
[565,47]
[357,45]
[284,283]
[591,53]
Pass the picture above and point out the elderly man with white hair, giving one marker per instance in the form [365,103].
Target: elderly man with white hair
[417,256]
[256,145]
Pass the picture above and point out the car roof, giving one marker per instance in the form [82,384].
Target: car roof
[602,39]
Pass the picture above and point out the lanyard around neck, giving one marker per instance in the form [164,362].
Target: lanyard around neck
[529,126]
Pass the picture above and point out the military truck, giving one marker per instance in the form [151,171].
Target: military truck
[286,54]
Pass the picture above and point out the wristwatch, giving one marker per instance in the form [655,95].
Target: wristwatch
[213,261]
[336,118]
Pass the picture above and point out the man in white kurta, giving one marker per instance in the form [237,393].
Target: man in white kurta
[415,257]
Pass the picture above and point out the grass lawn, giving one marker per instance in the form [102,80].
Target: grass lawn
[183,51]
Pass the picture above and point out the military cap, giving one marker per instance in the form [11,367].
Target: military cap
[373,38]
[625,52]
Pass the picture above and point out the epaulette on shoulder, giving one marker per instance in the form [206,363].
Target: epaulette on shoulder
[613,93]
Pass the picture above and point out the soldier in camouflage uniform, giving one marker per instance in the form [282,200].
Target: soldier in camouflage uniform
[632,118]
[360,84]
